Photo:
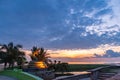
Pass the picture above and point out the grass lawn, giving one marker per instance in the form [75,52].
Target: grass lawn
[84,67]
[18,74]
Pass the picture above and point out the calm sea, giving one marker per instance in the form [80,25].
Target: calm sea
[96,61]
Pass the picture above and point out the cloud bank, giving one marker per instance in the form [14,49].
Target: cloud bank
[60,24]
[108,54]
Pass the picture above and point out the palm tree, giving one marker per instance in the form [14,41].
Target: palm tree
[12,53]
[62,67]
[39,54]
[21,60]
[2,56]
[34,52]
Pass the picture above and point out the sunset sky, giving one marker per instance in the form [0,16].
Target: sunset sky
[71,30]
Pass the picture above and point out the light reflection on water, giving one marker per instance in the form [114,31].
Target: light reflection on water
[93,62]
[88,62]
[75,73]
[82,72]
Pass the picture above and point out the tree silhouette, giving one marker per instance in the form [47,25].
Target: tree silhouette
[21,60]
[39,54]
[11,54]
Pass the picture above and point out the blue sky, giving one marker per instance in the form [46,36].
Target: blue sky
[60,24]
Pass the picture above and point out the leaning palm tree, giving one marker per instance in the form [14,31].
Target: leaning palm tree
[12,53]
[40,55]
[34,52]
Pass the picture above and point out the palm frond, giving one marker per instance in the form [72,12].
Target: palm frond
[19,46]
[10,45]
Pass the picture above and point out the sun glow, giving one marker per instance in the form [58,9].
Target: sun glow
[83,53]
[40,65]
[73,55]
[80,53]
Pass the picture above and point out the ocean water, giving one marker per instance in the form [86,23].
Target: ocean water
[115,60]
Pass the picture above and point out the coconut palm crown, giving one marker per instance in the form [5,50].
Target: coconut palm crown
[11,53]
[39,54]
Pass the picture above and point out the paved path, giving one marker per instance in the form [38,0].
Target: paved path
[116,77]
[6,78]
[1,67]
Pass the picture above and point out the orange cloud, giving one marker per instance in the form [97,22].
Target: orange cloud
[83,53]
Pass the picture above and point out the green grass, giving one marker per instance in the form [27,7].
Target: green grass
[18,74]
[84,67]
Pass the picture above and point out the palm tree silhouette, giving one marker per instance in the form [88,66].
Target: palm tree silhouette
[34,52]
[12,53]
[20,59]
[40,54]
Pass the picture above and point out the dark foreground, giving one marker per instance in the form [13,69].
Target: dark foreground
[6,78]
[84,67]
